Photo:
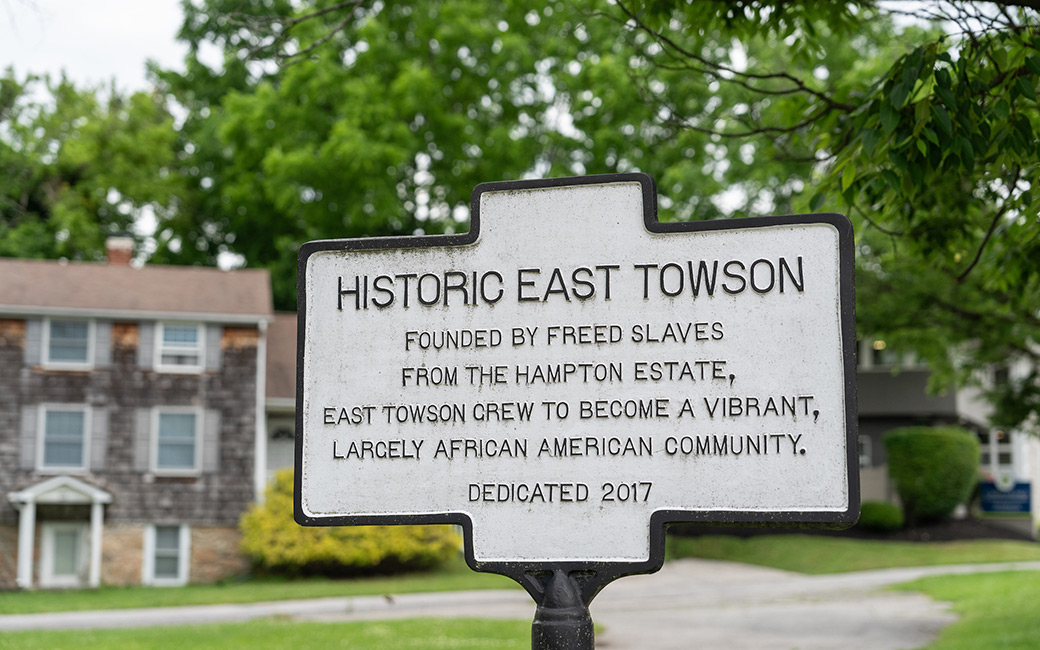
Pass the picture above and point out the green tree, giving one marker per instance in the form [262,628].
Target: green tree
[329,119]
[929,142]
[76,167]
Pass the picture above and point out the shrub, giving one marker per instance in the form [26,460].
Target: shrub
[934,469]
[276,543]
[880,516]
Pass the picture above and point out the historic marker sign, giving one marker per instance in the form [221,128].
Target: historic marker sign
[571,374]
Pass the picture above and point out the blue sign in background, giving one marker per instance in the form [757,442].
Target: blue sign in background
[993,499]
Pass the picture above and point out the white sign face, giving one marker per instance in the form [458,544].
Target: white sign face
[572,368]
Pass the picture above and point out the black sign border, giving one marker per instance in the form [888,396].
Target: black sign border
[526,572]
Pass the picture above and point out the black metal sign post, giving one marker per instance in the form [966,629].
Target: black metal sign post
[571,375]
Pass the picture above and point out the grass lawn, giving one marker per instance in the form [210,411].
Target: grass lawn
[431,634]
[801,553]
[455,576]
[996,610]
[814,554]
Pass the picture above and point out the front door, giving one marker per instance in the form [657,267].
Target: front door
[64,554]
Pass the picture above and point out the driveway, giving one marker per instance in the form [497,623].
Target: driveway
[689,604]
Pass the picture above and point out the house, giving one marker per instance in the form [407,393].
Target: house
[893,392]
[132,419]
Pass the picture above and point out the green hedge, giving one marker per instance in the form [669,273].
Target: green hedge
[934,469]
[274,542]
[880,516]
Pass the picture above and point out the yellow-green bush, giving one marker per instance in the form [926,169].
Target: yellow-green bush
[276,543]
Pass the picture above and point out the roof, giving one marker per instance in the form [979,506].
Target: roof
[45,287]
[60,490]
[281,357]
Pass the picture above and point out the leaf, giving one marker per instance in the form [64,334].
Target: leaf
[967,152]
[920,115]
[1033,61]
[1025,88]
[942,118]
[870,138]
[816,201]
[848,176]
[889,118]
[891,179]
[946,96]
[899,93]
[922,147]
[1001,108]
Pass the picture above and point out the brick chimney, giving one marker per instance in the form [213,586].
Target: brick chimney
[120,250]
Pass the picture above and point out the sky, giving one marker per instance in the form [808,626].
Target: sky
[93,41]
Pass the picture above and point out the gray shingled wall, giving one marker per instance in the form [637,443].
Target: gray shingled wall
[119,393]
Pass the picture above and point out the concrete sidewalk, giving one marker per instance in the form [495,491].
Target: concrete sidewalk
[688,604]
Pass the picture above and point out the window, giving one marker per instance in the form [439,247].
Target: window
[865,456]
[63,444]
[166,555]
[180,348]
[167,552]
[997,452]
[177,443]
[68,343]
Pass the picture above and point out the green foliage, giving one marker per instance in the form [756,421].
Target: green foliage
[78,165]
[880,516]
[275,543]
[925,132]
[379,120]
[398,111]
[934,469]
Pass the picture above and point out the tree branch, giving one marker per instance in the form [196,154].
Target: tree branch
[992,226]
[286,25]
[799,85]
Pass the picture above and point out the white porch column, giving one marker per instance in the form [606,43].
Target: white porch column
[26,543]
[96,515]
[260,442]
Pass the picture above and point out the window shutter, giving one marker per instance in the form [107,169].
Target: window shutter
[27,440]
[211,441]
[142,440]
[146,345]
[102,344]
[33,342]
[214,333]
[98,438]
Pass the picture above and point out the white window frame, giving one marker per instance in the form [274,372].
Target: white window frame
[67,365]
[196,468]
[148,576]
[41,439]
[193,369]
[999,442]
[46,568]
